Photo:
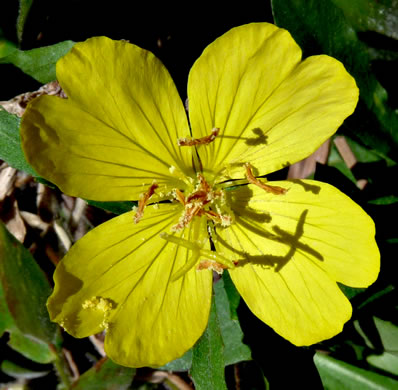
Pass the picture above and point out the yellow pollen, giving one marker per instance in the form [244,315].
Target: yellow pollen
[104,305]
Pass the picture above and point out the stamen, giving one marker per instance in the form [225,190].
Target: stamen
[180,196]
[199,141]
[191,210]
[272,189]
[144,198]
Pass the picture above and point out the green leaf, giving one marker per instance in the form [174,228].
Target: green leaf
[381,294]
[388,334]
[26,289]
[350,292]
[208,357]
[338,375]
[321,27]
[114,207]
[39,63]
[335,160]
[234,349]
[368,15]
[105,375]
[6,47]
[184,363]
[20,372]
[384,200]
[364,155]
[31,348]
[233,295]
[10,145]
[226,302]
[6,320]
[386,361]
[24,7]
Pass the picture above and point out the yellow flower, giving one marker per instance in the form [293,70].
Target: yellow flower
[123,134]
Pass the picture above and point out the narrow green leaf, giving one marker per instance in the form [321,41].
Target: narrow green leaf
[105,375]
[24,8]
[39,63]
[208,357]
[114,207]
[338,375]
[10,145]
[390,289]
[234,349]
[322,27]
[26,289]
[20,372]
[384,200]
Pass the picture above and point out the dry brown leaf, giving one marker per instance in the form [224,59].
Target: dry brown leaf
[161,376]
[349,157]
[17,105]
[34,221]
[306,167]
[15,223]
[62,235]
[7,179]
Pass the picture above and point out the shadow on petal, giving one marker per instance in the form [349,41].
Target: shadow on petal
[70,286]
[307,187]
[292,241]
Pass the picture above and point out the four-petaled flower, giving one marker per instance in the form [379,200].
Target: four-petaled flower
[203,203]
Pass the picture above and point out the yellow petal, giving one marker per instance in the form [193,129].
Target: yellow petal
[292,249]
[118,129]
[272,109]
[117,278]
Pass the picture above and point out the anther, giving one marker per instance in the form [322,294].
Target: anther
[144,198]
[212,265]
[272,189]
[199,141]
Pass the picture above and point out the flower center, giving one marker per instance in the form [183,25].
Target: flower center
[203,201]
[202,204]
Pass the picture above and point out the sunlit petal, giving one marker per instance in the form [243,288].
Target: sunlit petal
[272,109]
[118,277]
[292,249]
[118,129]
